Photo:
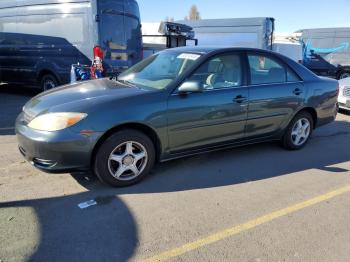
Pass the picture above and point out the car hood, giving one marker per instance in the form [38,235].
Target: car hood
[79,93]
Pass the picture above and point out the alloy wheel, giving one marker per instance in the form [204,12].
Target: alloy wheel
[301,131]
[127,160]
[344,75]
[49,84]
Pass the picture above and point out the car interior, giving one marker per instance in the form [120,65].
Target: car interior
[220,72]
[264,70]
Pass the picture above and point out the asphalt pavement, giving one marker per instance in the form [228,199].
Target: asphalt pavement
[255,203]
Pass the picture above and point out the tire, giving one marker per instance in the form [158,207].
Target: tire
[48,82]
[344,74]
[289,140]
[115,155]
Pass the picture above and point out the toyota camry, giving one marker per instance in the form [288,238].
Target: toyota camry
[176,103]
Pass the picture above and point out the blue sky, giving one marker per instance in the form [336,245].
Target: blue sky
[290,15]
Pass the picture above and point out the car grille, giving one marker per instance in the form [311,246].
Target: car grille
[346,91]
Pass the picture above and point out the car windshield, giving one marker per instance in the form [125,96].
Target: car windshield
[158,71]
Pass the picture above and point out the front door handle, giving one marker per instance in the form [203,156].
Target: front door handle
[297,91]
[239,99]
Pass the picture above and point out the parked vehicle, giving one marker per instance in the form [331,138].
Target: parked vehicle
[288,45]
[160,36]
[291,50]
[242,32]
[327,51]
[344,94]
[235,32]
[179,102]
[40,40]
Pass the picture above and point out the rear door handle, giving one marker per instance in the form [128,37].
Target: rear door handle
[297,91]
[240,99]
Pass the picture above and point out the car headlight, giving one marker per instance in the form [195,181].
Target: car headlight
[56,121]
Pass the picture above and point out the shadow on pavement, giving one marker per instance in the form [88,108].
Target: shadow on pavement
[108,231]
[104,232]
[12,99]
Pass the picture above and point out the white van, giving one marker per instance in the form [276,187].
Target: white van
[41,39]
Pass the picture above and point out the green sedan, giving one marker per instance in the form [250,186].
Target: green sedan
[176,103]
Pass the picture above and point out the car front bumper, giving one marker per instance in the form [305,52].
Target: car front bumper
[344,102]
[55,152]
[344,96]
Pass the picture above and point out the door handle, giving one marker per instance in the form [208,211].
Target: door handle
[239,99]
[297,91]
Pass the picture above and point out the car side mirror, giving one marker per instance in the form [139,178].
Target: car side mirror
[190,87]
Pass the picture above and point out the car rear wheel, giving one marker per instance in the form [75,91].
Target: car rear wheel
[344,74]
[298,131]
[124,158]
[48,82]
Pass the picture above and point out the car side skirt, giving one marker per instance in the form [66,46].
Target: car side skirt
[218,147]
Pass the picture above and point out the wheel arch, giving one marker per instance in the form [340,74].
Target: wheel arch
[312,112]
[145,129]
[46,71]
[341,70]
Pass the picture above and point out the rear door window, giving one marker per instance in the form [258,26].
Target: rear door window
[266,70]
[292,77]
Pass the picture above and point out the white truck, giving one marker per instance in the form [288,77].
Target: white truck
[240,32]
[289,45]
[256,32]
[41,39]
[157,36]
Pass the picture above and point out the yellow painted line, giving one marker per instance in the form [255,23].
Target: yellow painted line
[246,226]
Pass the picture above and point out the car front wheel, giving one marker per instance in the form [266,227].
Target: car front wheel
[298,131]
[48,82]
[124,158]
[344,74]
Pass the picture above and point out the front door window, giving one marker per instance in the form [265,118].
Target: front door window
[223,71]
